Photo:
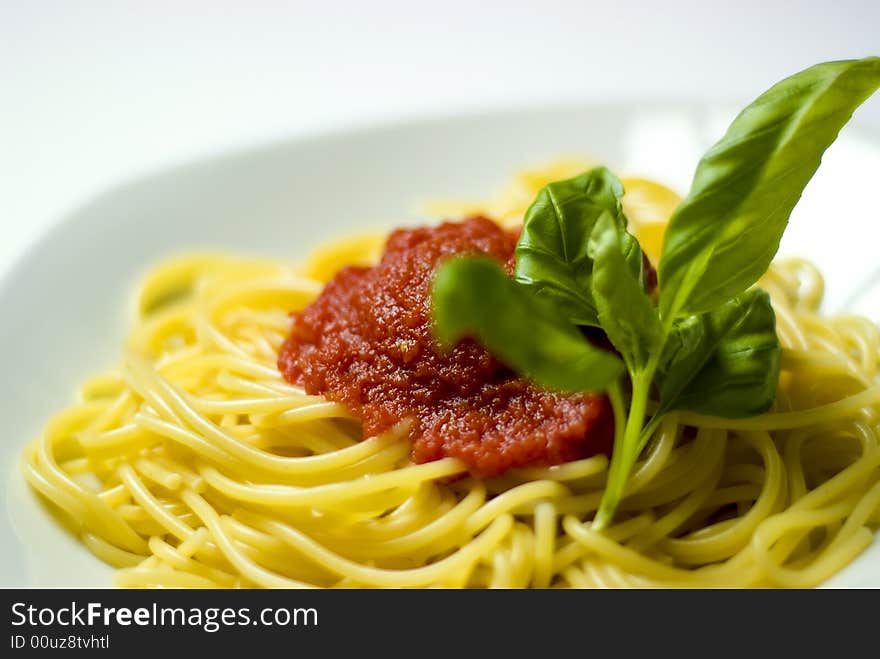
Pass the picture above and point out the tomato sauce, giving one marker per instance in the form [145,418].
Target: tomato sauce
[366,342]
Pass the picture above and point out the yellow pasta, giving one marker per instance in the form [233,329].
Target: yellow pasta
[196,464]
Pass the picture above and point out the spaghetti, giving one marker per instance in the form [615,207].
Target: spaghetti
[196,465]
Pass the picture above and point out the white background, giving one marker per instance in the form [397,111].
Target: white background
[94,93]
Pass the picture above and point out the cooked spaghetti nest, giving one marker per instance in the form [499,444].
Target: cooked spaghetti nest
[196,465]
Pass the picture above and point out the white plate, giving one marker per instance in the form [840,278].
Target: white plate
[66,304]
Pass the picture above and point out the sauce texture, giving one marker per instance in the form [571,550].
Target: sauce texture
[366,342]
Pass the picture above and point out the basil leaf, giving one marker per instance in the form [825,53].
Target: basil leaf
[724,362]
[725,233]
[472,296]
[624,309]
[551,255]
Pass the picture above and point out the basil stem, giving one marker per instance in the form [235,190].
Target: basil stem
[626,451]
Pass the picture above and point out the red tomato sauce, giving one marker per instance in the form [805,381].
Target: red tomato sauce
[366,342]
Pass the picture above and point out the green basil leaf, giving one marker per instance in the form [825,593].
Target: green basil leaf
[473,297]
[724,362]
[723,236]
[624,308]
[551,255]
